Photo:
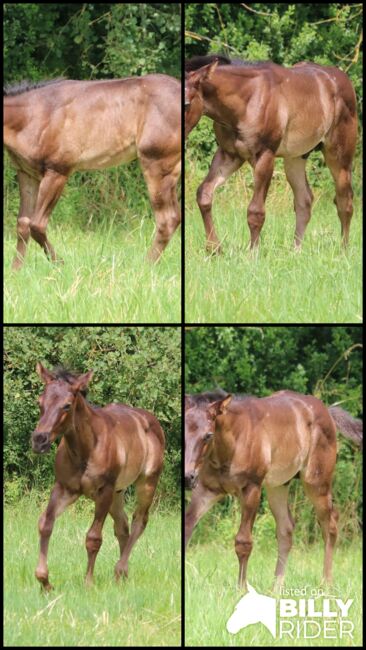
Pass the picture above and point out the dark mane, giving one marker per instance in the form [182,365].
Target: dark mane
[21,87]
[199,399]
[197,62]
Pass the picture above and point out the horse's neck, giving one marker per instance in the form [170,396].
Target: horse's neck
[81,435]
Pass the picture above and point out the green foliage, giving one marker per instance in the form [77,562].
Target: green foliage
[323,361]
[84,41]
[328,34]
[135,365]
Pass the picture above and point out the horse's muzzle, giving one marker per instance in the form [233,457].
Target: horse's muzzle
[41,442]
[190,480]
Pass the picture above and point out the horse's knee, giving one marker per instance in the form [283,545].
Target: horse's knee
[93,542]
[204,197]
[256,217]
[23,227]
[243,547]
[38,231]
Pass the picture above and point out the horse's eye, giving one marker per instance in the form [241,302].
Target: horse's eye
[66,407]
[207,436]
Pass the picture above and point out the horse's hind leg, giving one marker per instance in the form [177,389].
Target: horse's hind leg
[278,502]
[50,190]
[222,166]
[145,490]
[303,196]
[59,500]
[321,497]
[339,149]
[28,188]
[161,177]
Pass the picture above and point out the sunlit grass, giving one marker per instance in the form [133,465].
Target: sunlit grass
[321,284]
[141,611]
[211,591]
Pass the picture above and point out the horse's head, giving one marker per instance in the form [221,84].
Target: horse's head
[199,429]
[193,96]
[56,405]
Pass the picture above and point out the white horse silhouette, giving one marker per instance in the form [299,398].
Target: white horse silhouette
[253,608]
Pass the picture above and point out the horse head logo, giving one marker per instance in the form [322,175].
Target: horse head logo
[253,608]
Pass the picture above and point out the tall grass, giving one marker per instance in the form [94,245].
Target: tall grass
[211,592]
[102,227]
[143,610]
[321,284]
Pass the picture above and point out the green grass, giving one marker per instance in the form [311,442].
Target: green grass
[321,284]
[211,592]
[103,234]
[141,611]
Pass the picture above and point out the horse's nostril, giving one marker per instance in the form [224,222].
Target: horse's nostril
[40,438]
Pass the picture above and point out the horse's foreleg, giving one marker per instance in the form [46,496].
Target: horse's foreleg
[202,500]
[278,502]
[161,177]
[59,500]
[222,166]
[321,498]
[145,490]
[28,188]
[303,196]
[50,190]
[93,542]
[263,170]
[249,502]
[121,528]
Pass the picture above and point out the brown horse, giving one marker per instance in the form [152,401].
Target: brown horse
[236,446]
[262,111]
[102,452]
[52,129]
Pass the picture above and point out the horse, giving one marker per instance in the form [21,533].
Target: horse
[53,128]
[236,445]
[102,451]
[261,111]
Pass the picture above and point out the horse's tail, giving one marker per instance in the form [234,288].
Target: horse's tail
[347,425]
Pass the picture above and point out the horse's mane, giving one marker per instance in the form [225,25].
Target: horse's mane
[197,62]
[64,374]
[198,399]
[21,87]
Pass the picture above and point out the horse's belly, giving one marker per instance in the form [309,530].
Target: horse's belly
[106,158]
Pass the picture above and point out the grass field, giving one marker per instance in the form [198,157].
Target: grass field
[211,592]
[144,610]
[103,236]
[321,284]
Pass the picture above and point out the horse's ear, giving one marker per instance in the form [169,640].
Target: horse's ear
[202,74]
[44,374]
[219,407]
[188,402]
[81,383]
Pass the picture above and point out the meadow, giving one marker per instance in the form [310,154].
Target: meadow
[102,228]
[321,284]
[144,610]
[211,591]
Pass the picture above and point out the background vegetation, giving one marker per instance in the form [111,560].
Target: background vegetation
[328,34]
[135,365]
[324,361]
[322,284]
[103,224]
